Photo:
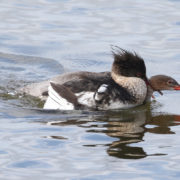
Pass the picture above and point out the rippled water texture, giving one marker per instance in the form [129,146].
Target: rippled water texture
[42,38]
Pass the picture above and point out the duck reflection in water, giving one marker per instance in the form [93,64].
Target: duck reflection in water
[133,129]
[129,127]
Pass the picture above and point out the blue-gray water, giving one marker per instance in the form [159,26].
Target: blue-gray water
[42,38]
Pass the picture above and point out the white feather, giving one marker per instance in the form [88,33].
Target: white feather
[102,88]
[100,92]
[86,98]
[55,101]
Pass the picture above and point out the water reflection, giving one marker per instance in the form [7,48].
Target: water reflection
[128,128]
[133,132]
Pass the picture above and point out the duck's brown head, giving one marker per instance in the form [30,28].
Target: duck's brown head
[163,82]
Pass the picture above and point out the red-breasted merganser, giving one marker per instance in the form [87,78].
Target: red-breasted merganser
[161,83]
[126,86]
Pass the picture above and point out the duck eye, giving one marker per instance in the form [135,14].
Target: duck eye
[170,82]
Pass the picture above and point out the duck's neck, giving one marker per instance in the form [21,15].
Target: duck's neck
[149,94]
[135,86]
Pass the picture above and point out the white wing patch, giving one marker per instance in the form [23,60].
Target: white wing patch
[100,92]
[55,101]
[102,88]
[86,98]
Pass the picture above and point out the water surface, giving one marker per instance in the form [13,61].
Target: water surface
[40,39]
